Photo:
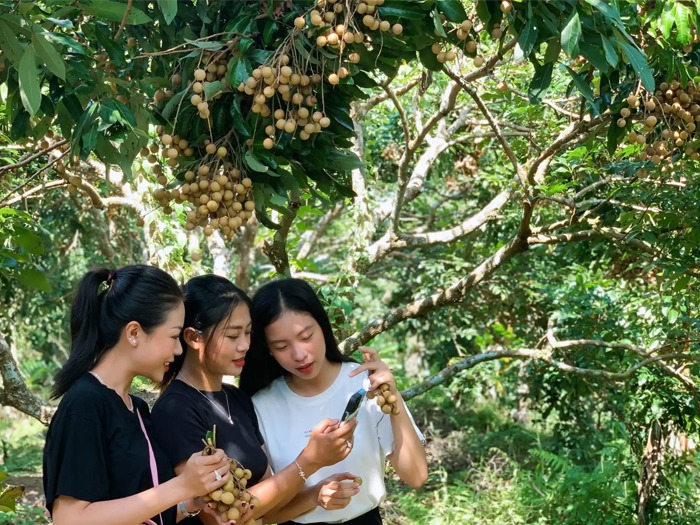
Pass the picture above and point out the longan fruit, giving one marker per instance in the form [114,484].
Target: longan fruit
[471,46]
[478,61]
[268,143]
[200,74]
[247,183]
[333,78]
[386,409]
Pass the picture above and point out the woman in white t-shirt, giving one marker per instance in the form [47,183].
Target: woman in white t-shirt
[296,374]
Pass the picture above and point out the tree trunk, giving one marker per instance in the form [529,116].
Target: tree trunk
[221,255]
[246,252]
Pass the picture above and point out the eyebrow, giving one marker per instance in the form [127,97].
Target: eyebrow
[237,327]
[177,328]
[284,340]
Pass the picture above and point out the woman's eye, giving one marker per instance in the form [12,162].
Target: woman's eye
[307,338]
[247,334]
[233,337]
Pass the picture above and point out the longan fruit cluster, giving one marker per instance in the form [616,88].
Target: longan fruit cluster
[220,193]
[386,400]
[669,120]
[232,498]
[278,84]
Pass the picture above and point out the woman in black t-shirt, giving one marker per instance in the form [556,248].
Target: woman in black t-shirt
[100,466]
[215,340]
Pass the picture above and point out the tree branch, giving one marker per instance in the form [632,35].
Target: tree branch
[36,189]
[28,160]
[126,17]
[386,244]
[451,295]
[15,392]
[277,251]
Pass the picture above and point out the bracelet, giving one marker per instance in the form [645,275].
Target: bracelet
[185,512]
[301,472]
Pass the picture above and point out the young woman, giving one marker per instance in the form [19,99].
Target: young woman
[296,373]
[100,465]
[216,338]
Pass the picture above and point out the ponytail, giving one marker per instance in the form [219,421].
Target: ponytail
[105,302]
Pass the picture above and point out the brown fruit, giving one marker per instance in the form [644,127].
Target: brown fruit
[268,143]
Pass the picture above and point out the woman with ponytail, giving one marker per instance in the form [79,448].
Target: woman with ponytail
[100,465]
[215,340]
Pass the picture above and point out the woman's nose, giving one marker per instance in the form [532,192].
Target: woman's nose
[298,353]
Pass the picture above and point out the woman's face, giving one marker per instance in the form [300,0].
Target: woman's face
[158,349]
[228,344]
[296,341]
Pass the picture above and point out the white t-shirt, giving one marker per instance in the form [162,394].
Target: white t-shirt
[286,420]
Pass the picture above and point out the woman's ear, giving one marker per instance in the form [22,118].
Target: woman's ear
[131,332]
[193,338]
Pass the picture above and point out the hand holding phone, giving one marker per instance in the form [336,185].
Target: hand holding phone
[353,406]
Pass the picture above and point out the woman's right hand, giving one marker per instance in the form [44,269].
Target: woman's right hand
[330,443]
[334,494]
[199,476]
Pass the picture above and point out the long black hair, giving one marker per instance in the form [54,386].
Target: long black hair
[209,301]
[269,303]
[105,302]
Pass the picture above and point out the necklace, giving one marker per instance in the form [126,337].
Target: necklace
[131,408]
[228,416]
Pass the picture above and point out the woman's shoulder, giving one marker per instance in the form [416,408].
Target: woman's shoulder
[85,398]
[175,397]
[268,394]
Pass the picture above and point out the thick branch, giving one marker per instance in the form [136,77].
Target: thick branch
[36,189]
[244,250]
[386,245]
[15,392]
[277,251]
[451,295]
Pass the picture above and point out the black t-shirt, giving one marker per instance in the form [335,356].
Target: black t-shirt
[96,451]
[182,416]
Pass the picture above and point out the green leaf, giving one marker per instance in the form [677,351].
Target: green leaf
[209,46]
[60,38]
[682,24]
[571,35]
[253,163]
[211,89]
[169,10]
[10,45]
[672,315]
[52,58]
[667,19]
[270,28]
[340,160]
[115,11]
[527,38]
[173,103]
[553,50]
[238,121]
[241,72]
[402,9]
[610,53]
[611,13]
[438,23]
[452,9]
[124,114]
[594,55]
[640,65]
[34,279]
[28,240]
[540,82]
[583,87]
[483,11]
[29,82]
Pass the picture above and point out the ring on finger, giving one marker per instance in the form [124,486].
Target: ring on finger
[348,443]
[218,476]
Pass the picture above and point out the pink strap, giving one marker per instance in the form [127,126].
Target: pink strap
[154,466]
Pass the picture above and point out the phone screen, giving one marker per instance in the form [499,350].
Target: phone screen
[353,406]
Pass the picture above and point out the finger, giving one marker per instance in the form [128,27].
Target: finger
[215,458]
[341,476]
[368,350]
[346,430]
[363,368]
[324,426]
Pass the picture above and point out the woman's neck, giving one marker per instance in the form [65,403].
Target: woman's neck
[113,372]
[196,375]
[319,384]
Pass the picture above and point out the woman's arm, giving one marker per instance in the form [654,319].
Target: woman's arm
[125,511]
[408,457]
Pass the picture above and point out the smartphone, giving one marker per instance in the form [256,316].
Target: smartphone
[353,406]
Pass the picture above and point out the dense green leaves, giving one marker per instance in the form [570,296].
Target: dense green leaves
[571,34]
[48,54]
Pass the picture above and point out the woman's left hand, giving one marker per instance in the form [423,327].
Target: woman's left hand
[379,371]
[206,507]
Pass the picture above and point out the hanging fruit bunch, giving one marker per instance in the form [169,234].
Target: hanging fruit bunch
[386,399]
[211,174]
[230,501]
[668,119]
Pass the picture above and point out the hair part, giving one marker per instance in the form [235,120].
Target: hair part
[105,302]
[269,304]
[209,302]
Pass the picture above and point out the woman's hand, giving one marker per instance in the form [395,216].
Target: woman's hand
[379,371]
[335,493]
[329,443]
[246,513]
[199,475]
